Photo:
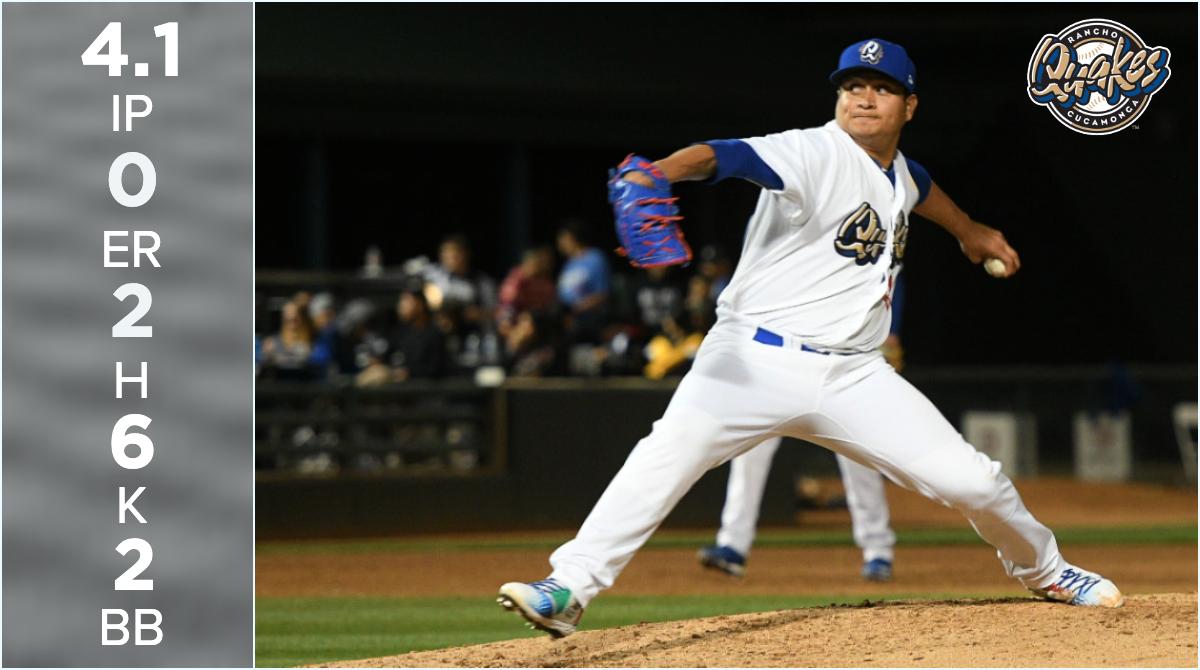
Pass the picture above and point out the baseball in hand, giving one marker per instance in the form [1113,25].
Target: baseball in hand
[995,267]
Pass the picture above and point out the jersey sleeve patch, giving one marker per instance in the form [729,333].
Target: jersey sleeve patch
[921,176]
[735,158]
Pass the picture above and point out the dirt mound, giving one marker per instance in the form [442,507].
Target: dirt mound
[1151,630]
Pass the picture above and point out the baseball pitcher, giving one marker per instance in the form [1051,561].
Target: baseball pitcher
[795,350]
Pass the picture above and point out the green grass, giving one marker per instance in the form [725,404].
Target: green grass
[1166,534]
[299,631]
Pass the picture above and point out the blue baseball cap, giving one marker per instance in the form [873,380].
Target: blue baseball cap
[882,56]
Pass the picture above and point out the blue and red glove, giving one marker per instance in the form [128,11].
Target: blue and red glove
[647,217]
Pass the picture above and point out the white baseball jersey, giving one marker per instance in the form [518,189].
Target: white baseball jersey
[820,254]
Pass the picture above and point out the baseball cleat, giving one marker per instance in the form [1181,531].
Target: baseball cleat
[1083,588]
[725,559]
[546,605]
[877,570]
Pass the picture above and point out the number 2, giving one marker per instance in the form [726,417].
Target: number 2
[125,327]
[127,581]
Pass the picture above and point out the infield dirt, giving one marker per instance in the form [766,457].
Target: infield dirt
[1156,631]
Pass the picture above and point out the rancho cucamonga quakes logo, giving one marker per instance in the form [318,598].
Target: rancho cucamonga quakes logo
[1096,76]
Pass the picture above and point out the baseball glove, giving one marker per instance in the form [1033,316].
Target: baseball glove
[647,217]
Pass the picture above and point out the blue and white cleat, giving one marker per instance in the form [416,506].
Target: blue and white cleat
[726,559]
[1083,588]
[547,605]
[877,570]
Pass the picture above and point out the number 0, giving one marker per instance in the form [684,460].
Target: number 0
[127,581]
[125,327]
[117,170]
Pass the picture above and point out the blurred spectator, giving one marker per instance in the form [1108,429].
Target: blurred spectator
[533,345]
[372,262]
[672,352]
[286,353]
[583,284]
[699,305]
[302,300]
[323,316]
[322,311]
[467,301]
[453,284]
[357,344]
[659,294]
[416,347]
[716,266]
[528,287]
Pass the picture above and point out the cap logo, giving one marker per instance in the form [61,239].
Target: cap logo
[871,52]
[1096,76]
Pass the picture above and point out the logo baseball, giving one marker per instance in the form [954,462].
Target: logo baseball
[871,52]
[1096,76]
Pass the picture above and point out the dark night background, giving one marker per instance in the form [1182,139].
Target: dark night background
[397,124]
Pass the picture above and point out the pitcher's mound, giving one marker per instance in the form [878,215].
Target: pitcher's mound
[1151,630]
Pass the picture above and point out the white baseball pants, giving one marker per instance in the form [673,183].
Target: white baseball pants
[740,392]
[864,496]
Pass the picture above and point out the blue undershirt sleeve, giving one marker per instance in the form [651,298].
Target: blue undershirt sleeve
[921,176]
[735,158]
